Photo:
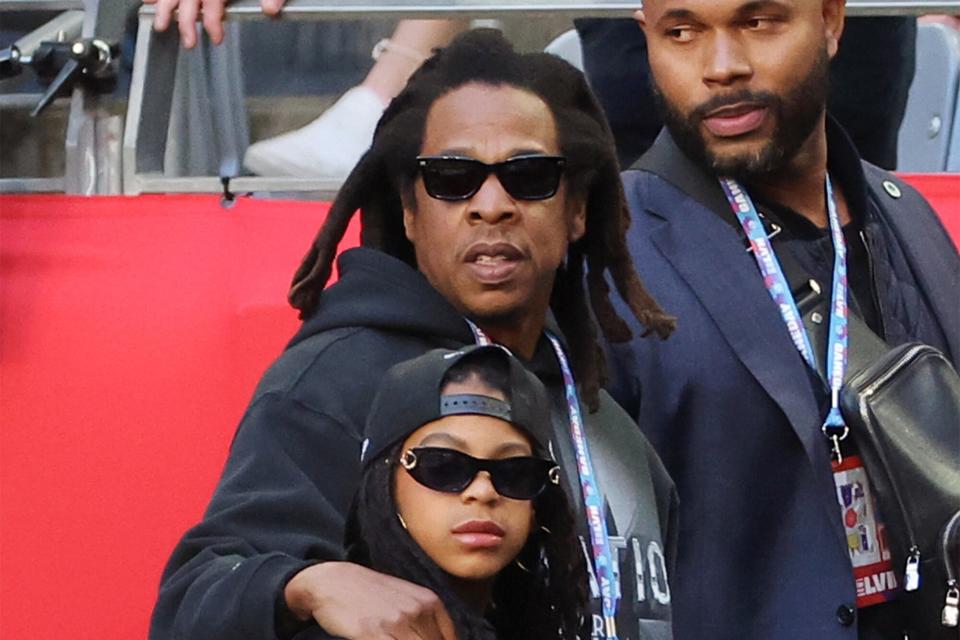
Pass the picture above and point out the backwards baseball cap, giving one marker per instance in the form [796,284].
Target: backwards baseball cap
[410,397]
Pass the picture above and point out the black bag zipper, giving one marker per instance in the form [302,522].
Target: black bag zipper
[898,358]
[950,617]
[866,238]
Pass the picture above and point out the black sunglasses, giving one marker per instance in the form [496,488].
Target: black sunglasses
[452,471]
[530,177]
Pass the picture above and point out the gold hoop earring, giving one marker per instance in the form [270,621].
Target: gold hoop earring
[403,523]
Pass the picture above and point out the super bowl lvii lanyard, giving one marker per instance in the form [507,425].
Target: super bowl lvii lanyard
[777,286]
[603,557]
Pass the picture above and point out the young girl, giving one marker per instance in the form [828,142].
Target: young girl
[460,494]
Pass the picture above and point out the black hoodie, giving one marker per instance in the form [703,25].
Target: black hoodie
[294,464]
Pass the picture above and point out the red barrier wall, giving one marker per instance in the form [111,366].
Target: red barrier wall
[943,192]
[132,333]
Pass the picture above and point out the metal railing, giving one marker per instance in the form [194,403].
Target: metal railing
[326,9]
[96,162]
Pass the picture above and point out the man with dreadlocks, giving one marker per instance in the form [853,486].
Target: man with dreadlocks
[492,211]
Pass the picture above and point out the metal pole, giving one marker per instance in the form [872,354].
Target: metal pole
[94,134]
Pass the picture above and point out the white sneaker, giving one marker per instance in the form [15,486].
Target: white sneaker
[329,147]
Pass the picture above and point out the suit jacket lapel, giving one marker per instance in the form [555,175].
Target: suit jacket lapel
[707,252]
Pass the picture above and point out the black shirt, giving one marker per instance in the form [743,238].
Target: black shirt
[811,247]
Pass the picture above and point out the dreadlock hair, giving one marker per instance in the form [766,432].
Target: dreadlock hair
[384,178]
[540,596]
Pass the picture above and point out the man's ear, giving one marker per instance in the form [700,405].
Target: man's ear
[834,12]
[577,221]
[408,226]
[640,17]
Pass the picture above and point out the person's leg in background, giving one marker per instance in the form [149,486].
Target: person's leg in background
[869,81]
[331,145]
[615,61]
[412,42]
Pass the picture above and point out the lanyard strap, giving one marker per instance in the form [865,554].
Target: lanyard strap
[777,286]
[603,557]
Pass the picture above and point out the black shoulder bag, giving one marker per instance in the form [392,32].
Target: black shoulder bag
[902,406]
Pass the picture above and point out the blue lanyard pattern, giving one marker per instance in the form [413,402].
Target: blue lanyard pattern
[779,289]
[603,556]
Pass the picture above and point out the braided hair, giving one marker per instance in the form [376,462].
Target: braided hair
[384,178]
